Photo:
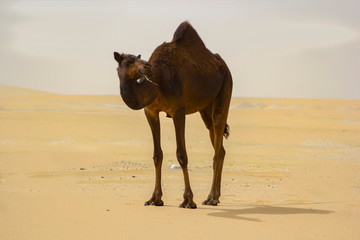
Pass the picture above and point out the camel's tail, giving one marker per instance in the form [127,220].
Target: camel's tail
[227,131]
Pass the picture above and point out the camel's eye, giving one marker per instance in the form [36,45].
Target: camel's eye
[129,62]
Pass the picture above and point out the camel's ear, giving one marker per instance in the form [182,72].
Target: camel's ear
[117,57]
[139,56]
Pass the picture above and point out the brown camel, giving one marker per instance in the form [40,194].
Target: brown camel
[181,77]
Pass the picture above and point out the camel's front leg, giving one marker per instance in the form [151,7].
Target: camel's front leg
[179,123]
[154,122]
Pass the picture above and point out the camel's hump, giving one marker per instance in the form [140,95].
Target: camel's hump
[186,34]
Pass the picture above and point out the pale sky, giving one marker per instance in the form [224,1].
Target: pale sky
[274,48]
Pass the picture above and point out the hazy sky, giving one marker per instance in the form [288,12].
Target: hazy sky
[274,48]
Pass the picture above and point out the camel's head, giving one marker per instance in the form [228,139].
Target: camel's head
[133,73]
[132,67]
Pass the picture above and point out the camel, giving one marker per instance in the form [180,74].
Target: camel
[181,77]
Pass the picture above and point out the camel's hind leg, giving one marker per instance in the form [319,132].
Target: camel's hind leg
[206,115]
[215,118]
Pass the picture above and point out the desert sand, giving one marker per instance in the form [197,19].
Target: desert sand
[80,167]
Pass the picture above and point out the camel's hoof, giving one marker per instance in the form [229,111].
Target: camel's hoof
[188,205]
[211,202]
[154,203]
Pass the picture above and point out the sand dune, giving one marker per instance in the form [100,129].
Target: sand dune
[80,167]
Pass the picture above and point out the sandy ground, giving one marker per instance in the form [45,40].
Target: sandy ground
[80,167]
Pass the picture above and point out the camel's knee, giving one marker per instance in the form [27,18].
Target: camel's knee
[222,153]
[158,158]
[182,158]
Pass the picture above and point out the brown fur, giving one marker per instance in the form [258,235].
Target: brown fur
[184,77]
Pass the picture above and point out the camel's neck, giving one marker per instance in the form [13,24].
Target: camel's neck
[138,95]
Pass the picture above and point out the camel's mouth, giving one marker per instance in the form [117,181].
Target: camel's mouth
[145,78]
[141,80]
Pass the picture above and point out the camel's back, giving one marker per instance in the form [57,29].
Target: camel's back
[186,35]
[201,70]
[189,65]
[190,48]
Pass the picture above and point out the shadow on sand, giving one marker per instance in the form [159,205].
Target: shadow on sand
[264,209]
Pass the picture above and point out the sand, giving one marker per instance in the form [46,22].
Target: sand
[80,167]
